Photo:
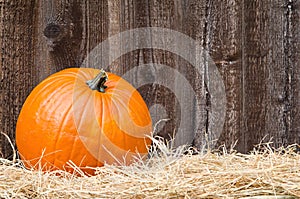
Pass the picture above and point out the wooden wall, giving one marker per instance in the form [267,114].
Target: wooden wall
[255,45]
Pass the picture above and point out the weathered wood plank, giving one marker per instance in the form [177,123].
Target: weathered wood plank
[268,73]
[137,14]
[164,14]
[18,74]
[292,60]
[256,72]
[223,40]
[194,25]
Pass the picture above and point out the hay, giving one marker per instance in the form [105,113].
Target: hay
[167,174]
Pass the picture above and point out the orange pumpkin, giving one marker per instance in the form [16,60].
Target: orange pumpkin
[84,116]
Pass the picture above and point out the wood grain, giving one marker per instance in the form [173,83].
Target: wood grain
[254,44]
[223,40]
[269,73]
[292,60]
[18,74]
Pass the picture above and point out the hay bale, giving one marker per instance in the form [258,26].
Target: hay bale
[167,173]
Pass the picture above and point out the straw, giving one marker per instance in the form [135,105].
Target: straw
[167,173]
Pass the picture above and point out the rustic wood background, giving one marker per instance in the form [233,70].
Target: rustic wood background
[255,45]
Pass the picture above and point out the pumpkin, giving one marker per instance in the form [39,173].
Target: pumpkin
[84,117]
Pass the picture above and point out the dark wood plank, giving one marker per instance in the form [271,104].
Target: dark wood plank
[269,73]
[16,64]
[223,40]
[164,14]
[292,60]
[255,72]
[194,15]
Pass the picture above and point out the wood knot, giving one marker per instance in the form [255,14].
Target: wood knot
[52,31]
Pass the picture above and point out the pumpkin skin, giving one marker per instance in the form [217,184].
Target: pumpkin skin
[63,121]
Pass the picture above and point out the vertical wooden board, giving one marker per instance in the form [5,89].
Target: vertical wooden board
[269,73]
[193,15]
[137,14]
[16,64]
[163,14]
[217,26]
[269,57]
[224,43]
[255,72]
[1,73]
[292,51]
[1,62]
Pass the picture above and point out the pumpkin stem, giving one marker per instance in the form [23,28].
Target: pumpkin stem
[98,82]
